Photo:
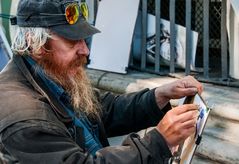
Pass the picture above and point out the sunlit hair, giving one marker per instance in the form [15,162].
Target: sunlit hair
[29,40]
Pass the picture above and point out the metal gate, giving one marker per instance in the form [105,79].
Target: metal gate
[208,18]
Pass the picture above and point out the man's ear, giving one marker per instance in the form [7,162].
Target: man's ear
[39,54]
[36,54]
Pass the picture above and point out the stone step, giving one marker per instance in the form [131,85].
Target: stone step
[224,101]
[223,129]
[197,159]
[220,141]
[217,150]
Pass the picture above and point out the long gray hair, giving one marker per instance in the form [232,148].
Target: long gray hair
[29,40]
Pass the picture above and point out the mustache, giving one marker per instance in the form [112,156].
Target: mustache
[57,69]
[79,62]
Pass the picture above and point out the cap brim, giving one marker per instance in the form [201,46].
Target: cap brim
[80,30]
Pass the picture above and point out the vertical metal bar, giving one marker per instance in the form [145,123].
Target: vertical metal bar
[224,60]
[144,33]
[188,36]
[131,58]
[206,38]
[172,35]
[157,48]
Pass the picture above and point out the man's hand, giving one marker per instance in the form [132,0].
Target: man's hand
[178,124]
[186,86]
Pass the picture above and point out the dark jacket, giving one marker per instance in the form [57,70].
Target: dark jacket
[35,129]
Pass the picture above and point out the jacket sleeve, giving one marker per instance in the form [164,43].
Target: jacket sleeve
[42,142]
[125,113]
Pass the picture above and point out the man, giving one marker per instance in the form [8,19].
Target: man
[50,113]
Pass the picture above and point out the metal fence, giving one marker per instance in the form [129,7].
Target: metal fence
[208,18]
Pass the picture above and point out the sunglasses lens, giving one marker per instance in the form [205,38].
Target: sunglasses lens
[84,10]
[72,13]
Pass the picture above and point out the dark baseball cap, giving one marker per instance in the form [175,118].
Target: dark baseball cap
[51,14]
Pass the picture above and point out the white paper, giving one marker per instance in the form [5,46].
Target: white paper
[110,49]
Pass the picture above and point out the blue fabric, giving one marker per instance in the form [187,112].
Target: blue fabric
[92,143]
[3,57]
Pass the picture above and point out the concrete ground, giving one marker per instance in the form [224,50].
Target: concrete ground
[219,143]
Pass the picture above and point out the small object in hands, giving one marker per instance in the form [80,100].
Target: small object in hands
[187,149]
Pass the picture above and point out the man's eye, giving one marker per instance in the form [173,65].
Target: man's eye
[71,44]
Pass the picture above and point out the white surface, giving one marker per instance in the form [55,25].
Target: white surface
[110,49]
[233,33]
[235,6]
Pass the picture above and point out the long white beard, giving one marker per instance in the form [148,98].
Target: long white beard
[82,95]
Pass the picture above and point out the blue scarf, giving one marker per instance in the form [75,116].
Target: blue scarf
[92,143]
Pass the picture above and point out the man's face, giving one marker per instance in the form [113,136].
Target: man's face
[66,55]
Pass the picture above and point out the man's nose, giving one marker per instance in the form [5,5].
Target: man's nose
[82,48]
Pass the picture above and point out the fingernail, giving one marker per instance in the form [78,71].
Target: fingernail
[195,90]
[198,107]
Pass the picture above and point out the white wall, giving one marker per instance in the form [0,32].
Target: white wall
[233,33]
